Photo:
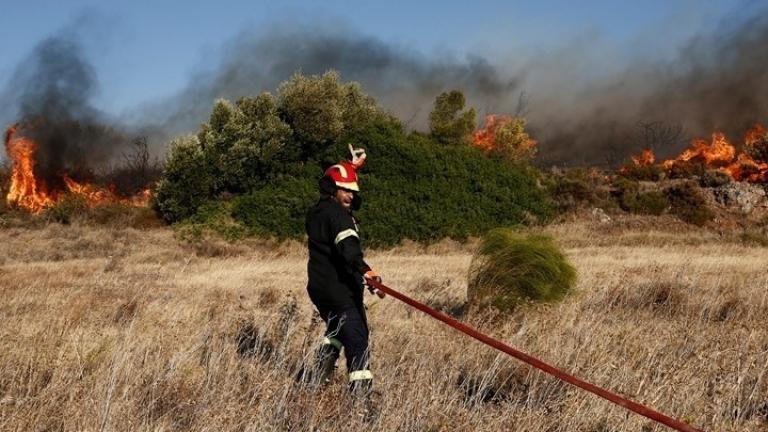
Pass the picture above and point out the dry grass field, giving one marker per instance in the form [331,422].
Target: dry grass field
[123,330]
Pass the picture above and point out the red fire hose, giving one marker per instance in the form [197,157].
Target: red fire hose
[538,364]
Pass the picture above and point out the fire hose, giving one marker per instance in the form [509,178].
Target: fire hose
[538,364]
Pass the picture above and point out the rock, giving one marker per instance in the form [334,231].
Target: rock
[600,215]
[741,195]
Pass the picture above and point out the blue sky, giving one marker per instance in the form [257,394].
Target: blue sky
[143,50]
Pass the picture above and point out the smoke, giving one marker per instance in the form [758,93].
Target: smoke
[403,81]
[717,82]
[580,110]
[51,93]
[582,105]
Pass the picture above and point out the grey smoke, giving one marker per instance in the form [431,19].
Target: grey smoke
[52,90]
[403,81]
[718,81]
[582,112]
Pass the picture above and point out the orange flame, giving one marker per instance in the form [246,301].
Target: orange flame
[25,190]
[645,158]
[29,192]
[718,154]
[485,138]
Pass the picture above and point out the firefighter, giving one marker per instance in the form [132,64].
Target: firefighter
[337,274]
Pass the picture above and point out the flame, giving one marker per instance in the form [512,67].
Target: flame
[25,190]
[486,138]
[718,154]
[645,158]
[29,192]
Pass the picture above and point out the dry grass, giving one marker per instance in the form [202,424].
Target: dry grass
[119,329]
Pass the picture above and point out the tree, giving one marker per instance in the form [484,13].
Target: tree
[186,183]
[449,123]
[512,142]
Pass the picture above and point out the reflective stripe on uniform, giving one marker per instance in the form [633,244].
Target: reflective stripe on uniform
[344,234]
[332,341]
[360,375]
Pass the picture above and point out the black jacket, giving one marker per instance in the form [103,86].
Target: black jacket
[336,264]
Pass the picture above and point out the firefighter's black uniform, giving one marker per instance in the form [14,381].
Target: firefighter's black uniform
[336,268]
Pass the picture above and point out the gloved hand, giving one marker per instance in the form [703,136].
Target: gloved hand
[372,275]
[358,156]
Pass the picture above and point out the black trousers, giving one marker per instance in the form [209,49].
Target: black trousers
[350,327]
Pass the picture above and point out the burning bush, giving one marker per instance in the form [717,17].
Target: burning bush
[689,203]
[757,147]
[505,136]
[511,268]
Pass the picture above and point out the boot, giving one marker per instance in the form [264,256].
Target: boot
[326,363]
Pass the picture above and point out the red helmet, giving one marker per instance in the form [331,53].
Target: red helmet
[344,174]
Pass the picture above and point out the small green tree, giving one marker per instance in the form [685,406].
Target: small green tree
[246,143]
[449,123]
[186,183]
[314,107]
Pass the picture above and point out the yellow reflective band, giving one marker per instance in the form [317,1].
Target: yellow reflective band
[332,341]
[360,375]
[344,234]
[349,185]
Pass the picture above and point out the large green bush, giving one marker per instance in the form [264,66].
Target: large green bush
[187,181]
[246,145]
[511,268]
[411,188]
[255,164]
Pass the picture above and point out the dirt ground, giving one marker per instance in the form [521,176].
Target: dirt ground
[123,329]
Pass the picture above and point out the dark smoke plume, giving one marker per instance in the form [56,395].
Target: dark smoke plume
[51,93]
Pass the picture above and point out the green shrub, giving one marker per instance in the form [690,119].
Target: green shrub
[576,188]
[633,200]
[417,189]
[687,170]
[187,181]
[689,203]
[213,217]
[511,268]
[278,209]
[714,178]
[66,210]
[412,188]
[263,156]
[637,172]
[246,143]
[650,203]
